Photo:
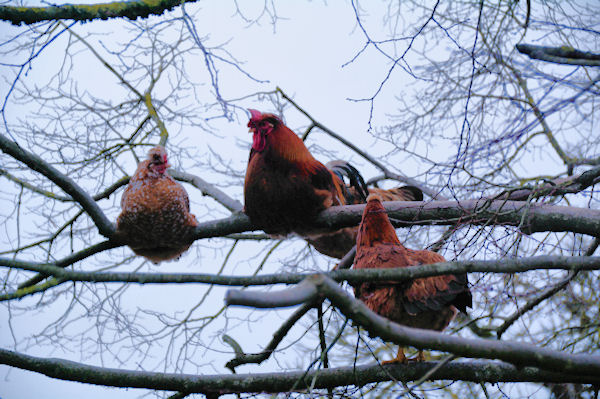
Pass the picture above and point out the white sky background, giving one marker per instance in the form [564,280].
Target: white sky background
[303,55]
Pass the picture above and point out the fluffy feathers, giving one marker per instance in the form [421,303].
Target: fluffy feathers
[155,221]
[429,303]
[286,187]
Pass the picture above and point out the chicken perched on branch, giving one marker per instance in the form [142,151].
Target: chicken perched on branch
[155,221]
[429,303]
[286,187]
[338,243]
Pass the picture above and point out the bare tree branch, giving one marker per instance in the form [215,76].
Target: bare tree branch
[510,265]
[208,189]
[519,354]
[69,260]
[87,12]
[528,217]
[533,302]
[347,261]
[245,358]
[105,226]
[476,371]
[560,55]
[554,187]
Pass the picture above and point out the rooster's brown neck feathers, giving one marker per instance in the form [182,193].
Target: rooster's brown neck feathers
[278,142]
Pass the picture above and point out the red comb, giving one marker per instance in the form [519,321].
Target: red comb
[255,114]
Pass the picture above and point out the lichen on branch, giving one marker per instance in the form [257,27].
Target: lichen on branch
[86,12]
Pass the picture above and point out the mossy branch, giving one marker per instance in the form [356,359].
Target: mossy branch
[18,15]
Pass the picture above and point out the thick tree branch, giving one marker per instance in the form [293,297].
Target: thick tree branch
[105,226]
[347,261]
[86,12]
[560,55]
[528,217]
[236,223]
[475,371]
[557,187]
[519,354]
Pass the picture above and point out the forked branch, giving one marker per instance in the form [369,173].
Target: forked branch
[520,354]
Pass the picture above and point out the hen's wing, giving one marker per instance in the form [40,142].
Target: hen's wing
[424,302]
[433,293]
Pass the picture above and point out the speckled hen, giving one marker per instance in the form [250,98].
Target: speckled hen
[428,303]
[155,220]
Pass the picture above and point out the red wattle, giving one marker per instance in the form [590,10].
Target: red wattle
[258,142]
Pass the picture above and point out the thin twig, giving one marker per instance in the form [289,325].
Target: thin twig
[244,358]
[388,173]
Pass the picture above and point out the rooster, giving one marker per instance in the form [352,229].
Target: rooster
[286,187]
[429,303]
[155,221]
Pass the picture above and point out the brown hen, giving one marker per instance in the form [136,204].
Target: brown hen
[286,187]
[155,220]
[429,303]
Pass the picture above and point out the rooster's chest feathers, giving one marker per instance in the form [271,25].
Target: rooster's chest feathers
[280,200]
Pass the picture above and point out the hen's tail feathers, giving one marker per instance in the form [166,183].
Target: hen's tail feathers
[404,193]
[344,169]
[463,298]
